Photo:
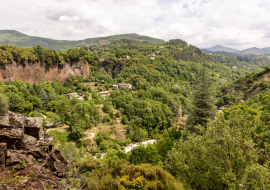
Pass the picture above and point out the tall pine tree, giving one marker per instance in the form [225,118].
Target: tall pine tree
[43,96]
[202,108]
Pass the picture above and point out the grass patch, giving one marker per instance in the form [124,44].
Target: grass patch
[60,137]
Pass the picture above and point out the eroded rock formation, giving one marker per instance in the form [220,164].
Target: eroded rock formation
[35,72]
[23,140]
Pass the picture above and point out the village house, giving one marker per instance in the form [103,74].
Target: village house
[234,67]
[104,94]
[75,95]
[127,57]
[81,97]
[161,47]
[157,51]
[115,86]
[123,85]
[101,59]
[89,83]
[152,56]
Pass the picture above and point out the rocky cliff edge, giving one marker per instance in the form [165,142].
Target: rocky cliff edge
[27,158]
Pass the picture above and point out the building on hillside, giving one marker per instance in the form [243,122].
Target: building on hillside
[127,57]
[123,85]
[89,83]
[101,59]
[104,94]
[157,51]
[81,97]
[152,56]
[234,67]
[73,95]
[161,47]
[115,86]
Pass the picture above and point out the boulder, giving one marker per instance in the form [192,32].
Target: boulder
[16,120]
[33,127]
[11,135]
[14,157]
[4,119]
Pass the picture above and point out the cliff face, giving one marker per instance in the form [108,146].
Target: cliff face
[35,72]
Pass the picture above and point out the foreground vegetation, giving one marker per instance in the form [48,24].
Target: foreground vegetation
[226,149]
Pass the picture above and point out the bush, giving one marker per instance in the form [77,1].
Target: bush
[118,174]
[113,130]
[142,154]
[83,143]
[70,152]
[137,134]
[124,120]
[106,119]
[106,108]
[118,114]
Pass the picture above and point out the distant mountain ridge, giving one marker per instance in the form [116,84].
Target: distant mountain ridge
[254,51]
[222,48]
[23,40]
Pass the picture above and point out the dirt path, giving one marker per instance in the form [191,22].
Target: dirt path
[89,135]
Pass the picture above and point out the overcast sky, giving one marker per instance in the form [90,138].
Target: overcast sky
[238,24]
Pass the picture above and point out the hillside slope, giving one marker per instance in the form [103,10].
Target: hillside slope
[23,40]
[255,51]
[246,88]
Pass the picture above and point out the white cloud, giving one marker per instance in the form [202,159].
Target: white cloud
[238,24]
[69,18]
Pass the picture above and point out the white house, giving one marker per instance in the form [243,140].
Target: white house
[123,85]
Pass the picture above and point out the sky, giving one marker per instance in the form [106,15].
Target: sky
[238,24]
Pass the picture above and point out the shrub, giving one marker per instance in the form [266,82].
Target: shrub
[118,174]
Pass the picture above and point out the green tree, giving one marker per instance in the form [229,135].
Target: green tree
[77,129]
[222,158]
[106,108]
[54,118]
[37,103]
[38,49]
[52,95]
[124,120]
[142,154]
[43,96]
[202,103]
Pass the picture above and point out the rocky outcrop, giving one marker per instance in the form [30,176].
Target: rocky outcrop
[23,140]
[35,72]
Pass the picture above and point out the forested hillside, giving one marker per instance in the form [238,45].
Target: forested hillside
[194,146]
[22,40]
